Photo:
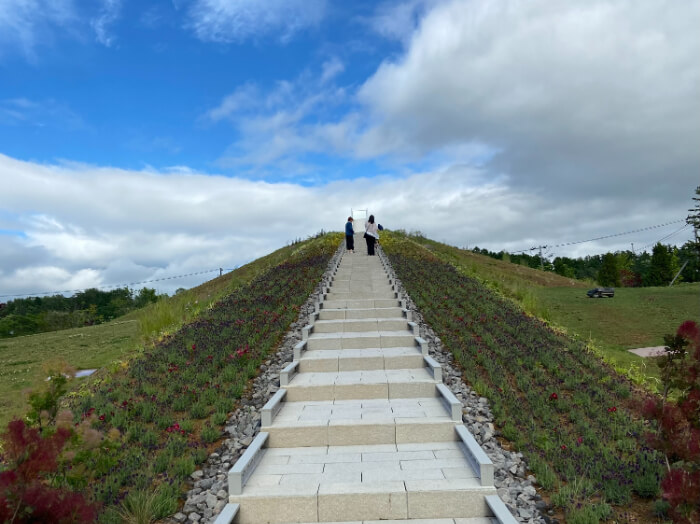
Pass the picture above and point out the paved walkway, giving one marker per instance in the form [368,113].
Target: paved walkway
[363,430]
[655,351]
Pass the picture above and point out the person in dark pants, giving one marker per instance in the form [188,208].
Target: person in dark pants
[349,236]
[371,234]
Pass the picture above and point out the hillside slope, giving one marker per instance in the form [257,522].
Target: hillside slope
[636,317]
[26,361]
[576,421]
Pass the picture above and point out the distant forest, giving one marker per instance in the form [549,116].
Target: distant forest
[621,268]
[26,316]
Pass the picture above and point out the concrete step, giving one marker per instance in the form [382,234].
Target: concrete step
[362,340]
[356,422]
[347,385]
[360,287]
[360,276]
[360,295]
[378,278]
[368,267]
[472,520]
[363,303]
[376,313]
[328,360]
[357,325]
[357,483]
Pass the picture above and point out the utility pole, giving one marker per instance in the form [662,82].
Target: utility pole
[541,259]
[679,272]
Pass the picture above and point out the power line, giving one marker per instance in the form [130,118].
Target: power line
[117,285]
[648,228]
[667,236]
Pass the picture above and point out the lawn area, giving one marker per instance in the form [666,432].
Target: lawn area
[636,317]
[24,360]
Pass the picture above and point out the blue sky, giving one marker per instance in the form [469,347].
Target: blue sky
[142,139]
[135,89]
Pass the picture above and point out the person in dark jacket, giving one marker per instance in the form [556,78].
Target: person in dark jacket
[349,236]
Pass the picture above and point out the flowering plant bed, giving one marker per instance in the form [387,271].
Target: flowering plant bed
[554,400]
[159,415]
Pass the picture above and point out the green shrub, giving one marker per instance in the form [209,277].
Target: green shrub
[660,508]
[148,439]
[199,410]
[143,506]
[589,514]
[219,418]
[210,434]
[183,467]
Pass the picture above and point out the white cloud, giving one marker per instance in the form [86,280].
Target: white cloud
[397,20]
[591,98]
[26,24]
[278,126]
[39,113]
[241,100]
[331,69]
[108,15]
[103,226]
[224,21]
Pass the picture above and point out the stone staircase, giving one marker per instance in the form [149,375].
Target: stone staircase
[362,429]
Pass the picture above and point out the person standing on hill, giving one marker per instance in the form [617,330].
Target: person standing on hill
[349,236]
[371,235]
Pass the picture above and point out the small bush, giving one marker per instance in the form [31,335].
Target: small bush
[25,497]
[199,410]
[589,514]
[210,434]
[219,418]
[183,467]
[144,506]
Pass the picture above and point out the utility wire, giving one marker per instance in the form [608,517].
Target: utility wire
[116,285]
[667,236]
[600,238]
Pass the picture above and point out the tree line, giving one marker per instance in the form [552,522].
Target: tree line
[26,316]
[621,268]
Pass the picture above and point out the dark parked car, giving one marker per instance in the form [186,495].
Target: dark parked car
[600,292]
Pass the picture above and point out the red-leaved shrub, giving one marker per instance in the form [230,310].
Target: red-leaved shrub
[678,434]
[25,493]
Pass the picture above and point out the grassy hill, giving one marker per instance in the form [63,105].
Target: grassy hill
[146,421]
[636,317]
[576,420]
[182,362]
[25,362]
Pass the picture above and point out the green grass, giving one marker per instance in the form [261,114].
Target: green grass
[636,317]
[24,360]
[167,316]
[511,279]
[577,421]
[162,410]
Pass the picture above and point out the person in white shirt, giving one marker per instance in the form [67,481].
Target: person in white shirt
[371,235]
